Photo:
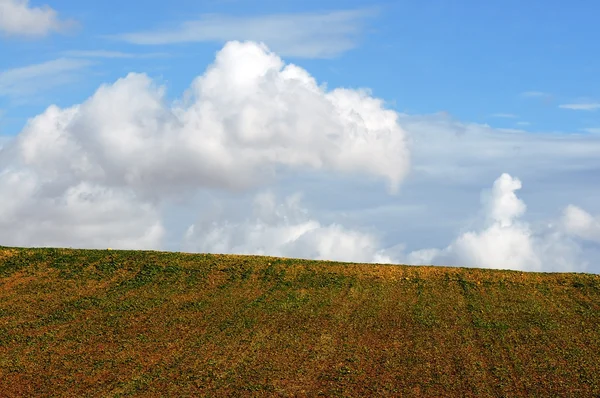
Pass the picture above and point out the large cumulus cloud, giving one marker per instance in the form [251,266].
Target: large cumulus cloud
[248,116]
[247,120]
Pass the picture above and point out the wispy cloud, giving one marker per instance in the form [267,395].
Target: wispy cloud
[27,80]
[592,130]
[505,115]
[18,18]
[523,124]
[307,35]
[110,54]
[582,106]
[546,98]
[535,94]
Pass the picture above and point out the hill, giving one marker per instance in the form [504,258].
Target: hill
[141,323]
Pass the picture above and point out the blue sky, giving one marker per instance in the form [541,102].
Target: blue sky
[471,59]
[493,143]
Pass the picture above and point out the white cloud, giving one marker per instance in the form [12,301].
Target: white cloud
[248,116]
[581,224]
[285,230]
[17,17]
[28,80]
[308,35]
[523,124]
[546,98]
[505,241]
[81,215]
[592,130]
[111,54]
[446,151]
[248,119]
[535,94]
[590,106]
[502,204]
[452,160]
[505,115]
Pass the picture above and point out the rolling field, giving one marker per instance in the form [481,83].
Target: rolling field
[139,323]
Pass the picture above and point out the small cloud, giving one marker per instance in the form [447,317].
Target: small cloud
[581,223]
[509,130]
[546,98]
[590,106]
[535,94]
[306,35]
[505,115]
[111,54]
[18,18]
[508,242]
[523,124]
[27,80]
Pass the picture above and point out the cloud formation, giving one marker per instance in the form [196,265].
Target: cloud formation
[18,18]
[448,151]
[505,241]
[82,215]
[305,35]
[284,229]
[581,223]
[31,79]
[250,118]
[102,173]
[581,106]
[246,118]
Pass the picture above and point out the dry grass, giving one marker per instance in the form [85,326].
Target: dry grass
[130,323]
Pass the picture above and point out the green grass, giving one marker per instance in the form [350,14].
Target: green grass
[138,323]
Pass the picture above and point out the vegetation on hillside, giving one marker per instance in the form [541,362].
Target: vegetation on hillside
[138,323]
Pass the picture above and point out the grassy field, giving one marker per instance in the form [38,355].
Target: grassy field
[132,323]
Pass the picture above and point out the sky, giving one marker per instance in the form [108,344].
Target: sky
[422,132]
